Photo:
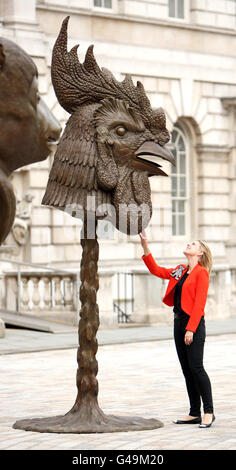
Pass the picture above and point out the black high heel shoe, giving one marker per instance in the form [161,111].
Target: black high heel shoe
[189,421]
[208,425]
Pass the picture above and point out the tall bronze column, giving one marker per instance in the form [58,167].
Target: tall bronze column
[86,416]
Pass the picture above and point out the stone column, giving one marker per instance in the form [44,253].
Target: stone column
[108,319]
[230,105]
[19,23]
[148,307]
[3,250]
[2,329]
[18,12]
[2,325]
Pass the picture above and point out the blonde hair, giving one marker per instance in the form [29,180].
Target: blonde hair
[206,257]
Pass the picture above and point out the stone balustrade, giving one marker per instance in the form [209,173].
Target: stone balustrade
[47,294]
[52,294]
[55,295]
[149,291]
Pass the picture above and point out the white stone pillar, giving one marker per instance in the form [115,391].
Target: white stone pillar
[18,11]
[2,325]
[148,306]
[108,319]
[230,105]
[2,329]
[18,22]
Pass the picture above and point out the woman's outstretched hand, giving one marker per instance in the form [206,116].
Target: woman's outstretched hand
[144,242]
[143,237]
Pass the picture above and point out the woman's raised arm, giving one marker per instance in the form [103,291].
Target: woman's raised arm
[154,268]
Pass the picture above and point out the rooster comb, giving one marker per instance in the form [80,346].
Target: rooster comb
[78,84]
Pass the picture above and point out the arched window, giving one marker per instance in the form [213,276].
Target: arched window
[179,184]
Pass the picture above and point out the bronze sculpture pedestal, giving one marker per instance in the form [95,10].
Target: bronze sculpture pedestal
[77,423]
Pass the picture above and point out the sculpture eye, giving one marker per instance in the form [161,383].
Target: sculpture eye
[120,130]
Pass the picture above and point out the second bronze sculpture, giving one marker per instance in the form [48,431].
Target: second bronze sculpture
[103,153]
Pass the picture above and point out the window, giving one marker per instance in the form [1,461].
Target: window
[176,8]
[179,189]
[102,3]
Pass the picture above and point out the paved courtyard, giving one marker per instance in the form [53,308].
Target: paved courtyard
[142,378]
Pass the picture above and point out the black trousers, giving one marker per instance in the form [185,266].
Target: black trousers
[191,360]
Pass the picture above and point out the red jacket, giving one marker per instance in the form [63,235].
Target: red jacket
[194,290]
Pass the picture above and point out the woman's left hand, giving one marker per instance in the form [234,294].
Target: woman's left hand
[188,339]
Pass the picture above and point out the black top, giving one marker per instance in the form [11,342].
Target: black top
[177,295]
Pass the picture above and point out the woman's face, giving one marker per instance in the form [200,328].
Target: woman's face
[193,249]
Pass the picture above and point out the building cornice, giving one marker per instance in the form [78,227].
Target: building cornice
[205,148]
[132,18]
[229,102]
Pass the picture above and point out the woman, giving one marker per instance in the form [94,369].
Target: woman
[187,292]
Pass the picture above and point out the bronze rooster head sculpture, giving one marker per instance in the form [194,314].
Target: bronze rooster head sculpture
[26,124]
[112,143]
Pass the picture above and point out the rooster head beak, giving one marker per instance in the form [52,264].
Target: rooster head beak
[148,157]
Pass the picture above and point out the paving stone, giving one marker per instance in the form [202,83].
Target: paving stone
[141,378]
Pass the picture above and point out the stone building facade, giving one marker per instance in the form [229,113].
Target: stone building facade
[184,53]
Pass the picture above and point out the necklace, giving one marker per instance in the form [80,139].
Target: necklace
[190,270]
